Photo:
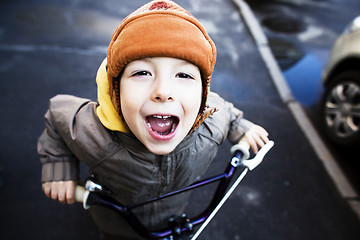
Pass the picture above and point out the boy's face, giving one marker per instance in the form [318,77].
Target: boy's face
[160,99]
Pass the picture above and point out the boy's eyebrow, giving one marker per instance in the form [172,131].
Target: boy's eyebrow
[186,63]
[148,59]
[137,62]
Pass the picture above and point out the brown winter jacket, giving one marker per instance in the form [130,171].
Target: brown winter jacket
[122,164]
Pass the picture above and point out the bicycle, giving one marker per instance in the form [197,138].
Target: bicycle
[179,227]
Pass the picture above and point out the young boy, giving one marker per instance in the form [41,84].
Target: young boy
[156,126]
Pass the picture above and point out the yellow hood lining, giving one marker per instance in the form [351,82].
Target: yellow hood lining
[106,112]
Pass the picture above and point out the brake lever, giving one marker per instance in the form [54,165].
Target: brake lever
[249,165]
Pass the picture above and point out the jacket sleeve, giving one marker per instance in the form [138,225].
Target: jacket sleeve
[228,120]
[58,162]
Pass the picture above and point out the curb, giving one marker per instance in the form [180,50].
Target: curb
[341,182]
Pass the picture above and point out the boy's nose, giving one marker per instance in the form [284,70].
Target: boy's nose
[162,91]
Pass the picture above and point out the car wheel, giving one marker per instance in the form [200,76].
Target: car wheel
[341,108]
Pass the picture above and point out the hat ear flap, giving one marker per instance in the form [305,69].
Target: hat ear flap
[204,110]
[201,117]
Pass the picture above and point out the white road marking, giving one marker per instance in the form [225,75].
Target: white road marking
[323,153]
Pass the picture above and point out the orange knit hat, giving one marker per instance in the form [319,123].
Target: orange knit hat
[160,28]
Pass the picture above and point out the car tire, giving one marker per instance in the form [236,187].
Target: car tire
[341,108]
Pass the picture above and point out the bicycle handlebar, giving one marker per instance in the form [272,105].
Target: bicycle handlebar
[92,196]
[81,195]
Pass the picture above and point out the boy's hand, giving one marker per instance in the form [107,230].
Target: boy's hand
[62,191]
[257,137]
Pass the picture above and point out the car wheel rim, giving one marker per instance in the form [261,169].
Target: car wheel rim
[342,110]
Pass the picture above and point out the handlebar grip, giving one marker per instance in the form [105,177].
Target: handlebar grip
[81,195]
[242,146]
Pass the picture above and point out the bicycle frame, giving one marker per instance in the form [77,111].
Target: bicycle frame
[181,225]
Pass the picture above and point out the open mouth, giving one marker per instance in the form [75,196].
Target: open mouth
[162,125]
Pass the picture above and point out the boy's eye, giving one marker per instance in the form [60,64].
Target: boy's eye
[141,73]
[184,75]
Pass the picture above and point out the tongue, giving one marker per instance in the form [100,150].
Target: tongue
[161,125]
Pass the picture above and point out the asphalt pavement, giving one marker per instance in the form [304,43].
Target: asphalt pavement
[53,47]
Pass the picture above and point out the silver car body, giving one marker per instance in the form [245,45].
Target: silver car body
[345,52]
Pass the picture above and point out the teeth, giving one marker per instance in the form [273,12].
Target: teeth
[162,117]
